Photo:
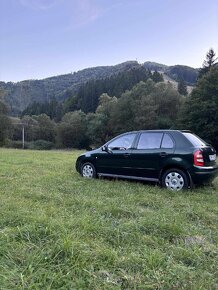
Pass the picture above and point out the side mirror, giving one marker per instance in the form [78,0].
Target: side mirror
[103,148]
[106,149]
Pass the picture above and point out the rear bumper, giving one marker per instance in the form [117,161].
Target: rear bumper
[201,175]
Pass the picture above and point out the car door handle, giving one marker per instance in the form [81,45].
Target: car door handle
[126,155]
[163,154]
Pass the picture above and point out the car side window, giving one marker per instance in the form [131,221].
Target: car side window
[167,142]
[150,140]
[123,142]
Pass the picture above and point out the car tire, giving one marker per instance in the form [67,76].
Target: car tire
[175,179]
[88,170]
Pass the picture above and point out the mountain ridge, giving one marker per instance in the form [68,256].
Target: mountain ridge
[19,95]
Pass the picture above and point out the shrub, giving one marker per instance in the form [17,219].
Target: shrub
[40,145]
[14,144]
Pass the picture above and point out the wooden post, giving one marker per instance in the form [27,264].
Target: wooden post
[23,136]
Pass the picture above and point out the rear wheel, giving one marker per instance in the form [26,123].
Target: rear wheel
[174,179]
[88,170]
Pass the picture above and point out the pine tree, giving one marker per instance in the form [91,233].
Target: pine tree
[208,63]
[182,88]
[200,112]
[157,77]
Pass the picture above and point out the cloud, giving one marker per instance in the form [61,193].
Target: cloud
[84,12]
[39,4]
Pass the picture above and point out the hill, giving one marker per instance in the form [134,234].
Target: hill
[21,94]
[175,72]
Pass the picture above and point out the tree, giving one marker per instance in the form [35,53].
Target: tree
[87,97]
[51,108]
[148,105]
[157,77]
[182,88]
[200,112]
[4,120]
[46,129]
[99,125]
[72,130]
[208,63]
[31,128]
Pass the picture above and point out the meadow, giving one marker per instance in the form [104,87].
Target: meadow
[60,231]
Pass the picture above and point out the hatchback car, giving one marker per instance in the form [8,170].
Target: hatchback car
[175,159]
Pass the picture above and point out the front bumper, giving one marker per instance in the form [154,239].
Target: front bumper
[205,174]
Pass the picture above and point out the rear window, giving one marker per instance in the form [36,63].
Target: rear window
[195,140]
[167,142]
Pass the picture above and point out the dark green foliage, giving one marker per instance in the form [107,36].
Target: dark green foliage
[13,144]
[4,120]
[51,108]
[39,127]
[131,98]
[20,95]
[72,130]
[208,63]
[40,145]
[34,145]
[88,95]
[157,77]
[182,88]
[147,106]
[45,129]
[200,112]
[100,126]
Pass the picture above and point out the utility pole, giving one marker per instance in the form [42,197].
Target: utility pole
[23,136]
[23,133]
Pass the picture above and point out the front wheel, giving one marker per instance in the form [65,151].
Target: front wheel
[174,179]
[88,170]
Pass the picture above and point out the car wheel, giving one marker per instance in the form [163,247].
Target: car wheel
[174,179]
[88,170]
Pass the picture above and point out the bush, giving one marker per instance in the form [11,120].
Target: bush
[34,145]
[14,144]
[40,145]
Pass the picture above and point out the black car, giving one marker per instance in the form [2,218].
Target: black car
[175,159]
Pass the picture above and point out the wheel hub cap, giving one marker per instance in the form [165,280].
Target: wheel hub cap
[174,181]
[87,171]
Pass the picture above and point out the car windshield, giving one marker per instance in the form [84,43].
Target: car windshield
[195,140]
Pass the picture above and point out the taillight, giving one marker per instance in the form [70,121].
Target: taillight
[198,158]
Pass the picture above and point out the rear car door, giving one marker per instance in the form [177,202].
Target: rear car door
[145,158]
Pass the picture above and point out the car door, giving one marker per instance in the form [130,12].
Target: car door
[116,160]
[145,158]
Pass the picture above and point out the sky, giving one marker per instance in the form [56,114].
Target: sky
[42,38]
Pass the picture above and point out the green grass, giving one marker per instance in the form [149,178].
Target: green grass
[60,231]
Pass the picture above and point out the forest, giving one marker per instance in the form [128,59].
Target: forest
[132,99]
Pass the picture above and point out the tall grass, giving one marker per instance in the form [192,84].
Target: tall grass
[60,231]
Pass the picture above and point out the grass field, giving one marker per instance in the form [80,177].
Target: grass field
[60,231]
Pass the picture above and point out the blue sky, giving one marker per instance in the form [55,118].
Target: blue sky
[42,38]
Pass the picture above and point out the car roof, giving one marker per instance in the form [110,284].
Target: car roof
[158,130]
